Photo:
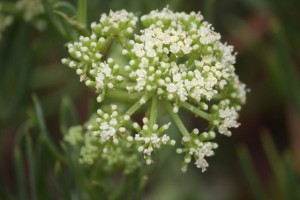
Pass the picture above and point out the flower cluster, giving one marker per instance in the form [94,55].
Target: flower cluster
[196,147]
[176,60]
[30,8]
[30,11]
[149,137]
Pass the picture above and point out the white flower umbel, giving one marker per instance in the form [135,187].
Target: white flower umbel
[197,147]
[225,117]
[150,137]
[108,126]
[32,10]
[175,61]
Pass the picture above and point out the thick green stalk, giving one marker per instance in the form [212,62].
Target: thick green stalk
[153,111]
[177,120]
[196,111]
[136,106]
[122,96]
[81,11]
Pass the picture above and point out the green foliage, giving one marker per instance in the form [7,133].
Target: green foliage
[283,183]
[68,179]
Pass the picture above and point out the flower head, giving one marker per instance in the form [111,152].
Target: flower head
[176,60]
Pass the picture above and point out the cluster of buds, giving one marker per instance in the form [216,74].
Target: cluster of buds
[31,11]
[30,8]
[198,147]
[149,137]
[176,60]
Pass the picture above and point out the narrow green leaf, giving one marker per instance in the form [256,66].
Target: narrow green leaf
[275,162]
[43,130]
[54,18]
[292,183]
[20,173]
[40,116]
[65,5]
[31,167]
[125,191]
[250,174]
[68,114]
[72,22]
[14,86]
[287,65]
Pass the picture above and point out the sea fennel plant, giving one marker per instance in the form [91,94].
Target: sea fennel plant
[171,61]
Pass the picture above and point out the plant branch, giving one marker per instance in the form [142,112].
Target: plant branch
[196,111]
[153,111]
[177,120]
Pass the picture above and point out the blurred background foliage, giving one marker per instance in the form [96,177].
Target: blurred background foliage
[40,99]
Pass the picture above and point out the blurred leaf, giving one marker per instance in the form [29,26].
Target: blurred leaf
[209,10]
[292,182]
[257,4]
[54,18]
[60,5]
[45,77]
[284,180]
[43,130]
[31,167]
[20,169]
[125,191]
[287,66]
[61,26]
[275,162]
[68,114]
[15,72]
[74,23]
[250,174]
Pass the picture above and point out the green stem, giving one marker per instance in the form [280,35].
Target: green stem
[196,111]
[123,85]
[177,120]
[218,96]
[122,96]
[106,49]
[153,111]
[81,12]
[19,167]
[136,106]
[72,22]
